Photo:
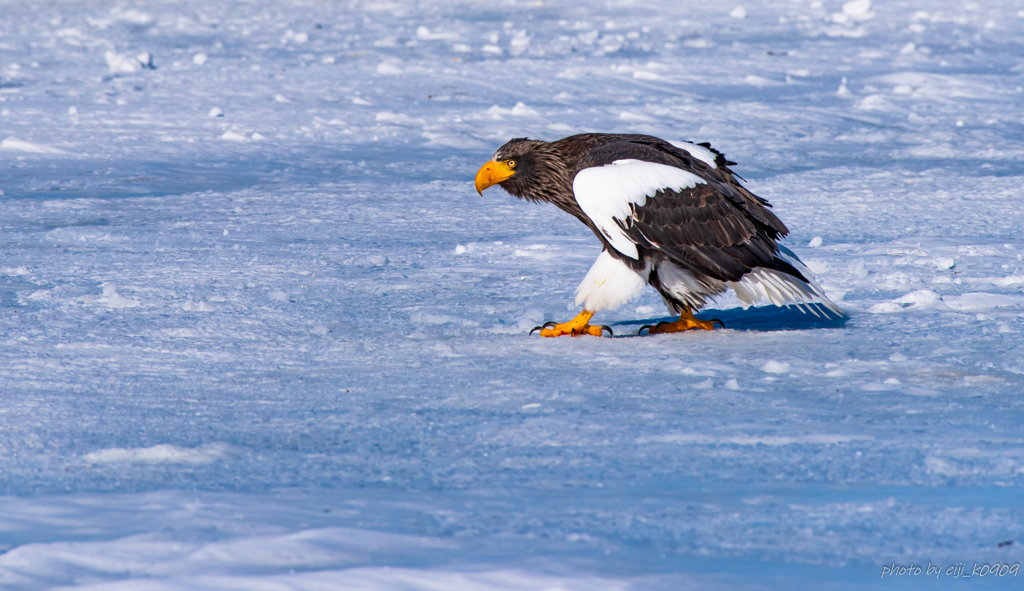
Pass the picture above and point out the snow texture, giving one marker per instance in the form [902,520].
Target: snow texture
[255,321]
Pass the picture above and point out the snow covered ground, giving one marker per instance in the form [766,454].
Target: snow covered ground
[258,331]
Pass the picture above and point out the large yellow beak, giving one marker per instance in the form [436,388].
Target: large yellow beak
[492,173]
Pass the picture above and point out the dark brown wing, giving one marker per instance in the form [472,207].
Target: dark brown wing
[716,228]
[703,230]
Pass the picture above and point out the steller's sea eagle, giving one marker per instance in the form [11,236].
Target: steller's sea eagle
[671,215]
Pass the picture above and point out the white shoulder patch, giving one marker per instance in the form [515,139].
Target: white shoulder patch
[605,193]
[699,152]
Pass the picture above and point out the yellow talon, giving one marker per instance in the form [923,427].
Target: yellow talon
[686,322]
[576,327]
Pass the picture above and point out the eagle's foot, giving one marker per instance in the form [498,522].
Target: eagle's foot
[576,327]
[686,322]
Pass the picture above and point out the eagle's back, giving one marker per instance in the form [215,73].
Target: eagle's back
[717,228]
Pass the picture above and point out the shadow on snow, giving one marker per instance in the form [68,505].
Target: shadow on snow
[764,319]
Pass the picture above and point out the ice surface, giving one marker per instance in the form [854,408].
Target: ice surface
[160,454]
[254,319]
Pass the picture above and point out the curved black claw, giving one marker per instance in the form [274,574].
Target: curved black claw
[542,327]
[720,323]
[649,327]
[603,328]
[660,324]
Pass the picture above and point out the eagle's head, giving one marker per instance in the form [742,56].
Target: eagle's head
[529,169]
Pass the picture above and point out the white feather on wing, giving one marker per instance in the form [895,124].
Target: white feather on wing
[605,194]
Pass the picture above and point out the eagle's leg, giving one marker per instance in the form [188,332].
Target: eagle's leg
[578,326]
[686,321]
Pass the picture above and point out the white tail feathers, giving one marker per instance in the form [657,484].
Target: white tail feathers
[783,289]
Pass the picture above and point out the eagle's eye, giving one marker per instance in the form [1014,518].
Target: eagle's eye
[511,163]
